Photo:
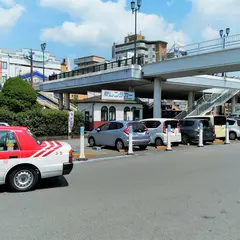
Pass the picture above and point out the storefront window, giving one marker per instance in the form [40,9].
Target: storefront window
[112,114]
[104,114]
[126,110]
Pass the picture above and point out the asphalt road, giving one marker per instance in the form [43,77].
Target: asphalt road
[186,195]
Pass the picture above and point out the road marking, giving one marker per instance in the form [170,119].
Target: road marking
[103,159]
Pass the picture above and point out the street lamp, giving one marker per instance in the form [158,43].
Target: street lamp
[43,47]
[223,36]
[135,9]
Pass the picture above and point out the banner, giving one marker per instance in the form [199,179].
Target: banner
[117,95]
[70,121]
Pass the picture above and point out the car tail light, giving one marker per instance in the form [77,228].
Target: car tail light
[214,130]
[70,156]
[164,128]
[179,129]
[126,130]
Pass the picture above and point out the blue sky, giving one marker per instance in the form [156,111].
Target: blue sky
[76,28]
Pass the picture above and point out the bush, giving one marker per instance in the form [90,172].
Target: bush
[43,122]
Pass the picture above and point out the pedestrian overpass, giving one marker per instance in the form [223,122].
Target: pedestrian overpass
[169,78]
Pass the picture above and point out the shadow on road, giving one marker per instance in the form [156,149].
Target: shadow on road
[56,182]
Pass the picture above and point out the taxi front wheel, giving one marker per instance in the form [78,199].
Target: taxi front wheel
[23,179]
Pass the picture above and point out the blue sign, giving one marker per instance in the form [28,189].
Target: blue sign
[117,95]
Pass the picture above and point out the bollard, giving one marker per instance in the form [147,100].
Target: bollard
[130,143]
[227,141]
[169,147]
[200,141]
[82,154]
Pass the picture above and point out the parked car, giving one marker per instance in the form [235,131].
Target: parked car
[234,115]
[218,121]
[157,128]
[190,131]
[116,134]
[234,128]
[4,124]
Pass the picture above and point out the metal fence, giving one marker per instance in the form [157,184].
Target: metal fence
[98,68]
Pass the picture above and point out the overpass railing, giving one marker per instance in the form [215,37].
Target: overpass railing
[98,68]
[223,43]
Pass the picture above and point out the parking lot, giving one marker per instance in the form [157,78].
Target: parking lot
[108,152]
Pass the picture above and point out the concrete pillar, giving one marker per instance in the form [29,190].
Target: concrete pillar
[157,108]
[67,101]
[191,100]
[233,104]
[60,101]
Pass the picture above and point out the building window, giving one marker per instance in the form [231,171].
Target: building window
[126,110]
[154,49]
[4,79]
[4,65]
[112,114]
[104,113]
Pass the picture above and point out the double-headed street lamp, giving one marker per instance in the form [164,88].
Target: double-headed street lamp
[223,36]
[43,47]
[135,9]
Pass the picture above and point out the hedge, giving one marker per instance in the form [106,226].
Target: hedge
[43,122]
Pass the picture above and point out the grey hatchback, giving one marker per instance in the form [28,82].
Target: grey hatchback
[116,134]
[190,131]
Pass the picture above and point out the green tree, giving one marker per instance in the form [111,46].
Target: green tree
[17,95]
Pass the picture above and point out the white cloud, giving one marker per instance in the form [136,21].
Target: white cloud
[101,23]
[219,14]
[10,14]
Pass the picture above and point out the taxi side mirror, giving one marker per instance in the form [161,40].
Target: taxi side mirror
[98,129]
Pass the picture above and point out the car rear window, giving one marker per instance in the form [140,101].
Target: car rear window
[151,124]
[220,120]
[34,137]
[174,124]
[231,122]
[137,127]
[186,123]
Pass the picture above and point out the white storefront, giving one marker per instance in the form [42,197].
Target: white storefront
[109,106]
[17,63]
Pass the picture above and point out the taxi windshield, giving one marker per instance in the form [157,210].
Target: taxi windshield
[34,137]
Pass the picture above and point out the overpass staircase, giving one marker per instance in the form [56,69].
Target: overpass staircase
[207,102]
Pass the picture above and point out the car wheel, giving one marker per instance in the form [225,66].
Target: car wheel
[232,136]
[91,142]
[143,147]
[185,139]
[159,142]
[119,144]
[23,179]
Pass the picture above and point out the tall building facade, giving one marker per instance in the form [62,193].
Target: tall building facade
[17,63]
[151,50]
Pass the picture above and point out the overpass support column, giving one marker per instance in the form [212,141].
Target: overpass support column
[157,107]
[191,100]
[60,101]
[233,104]
[67,101]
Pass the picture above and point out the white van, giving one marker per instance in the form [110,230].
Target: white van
[218,121]
[157,128]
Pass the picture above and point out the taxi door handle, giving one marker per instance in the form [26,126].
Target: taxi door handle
[13,156]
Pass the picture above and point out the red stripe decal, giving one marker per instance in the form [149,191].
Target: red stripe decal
[40,153]
[54,149]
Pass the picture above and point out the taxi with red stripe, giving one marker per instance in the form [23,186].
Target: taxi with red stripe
[24,159]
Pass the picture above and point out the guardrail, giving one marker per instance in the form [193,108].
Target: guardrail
[226,42]
[98,68]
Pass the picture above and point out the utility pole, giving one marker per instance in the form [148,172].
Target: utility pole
[31,68]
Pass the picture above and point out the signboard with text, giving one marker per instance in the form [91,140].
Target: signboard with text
[37,55]
[117,95]
[70,121]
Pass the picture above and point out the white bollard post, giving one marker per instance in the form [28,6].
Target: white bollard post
[169,144]
[227,141]
[130,143]
[82,154]
[200,142]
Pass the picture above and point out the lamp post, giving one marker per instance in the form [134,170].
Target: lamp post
[135,9]
[43,46]
[223,36]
